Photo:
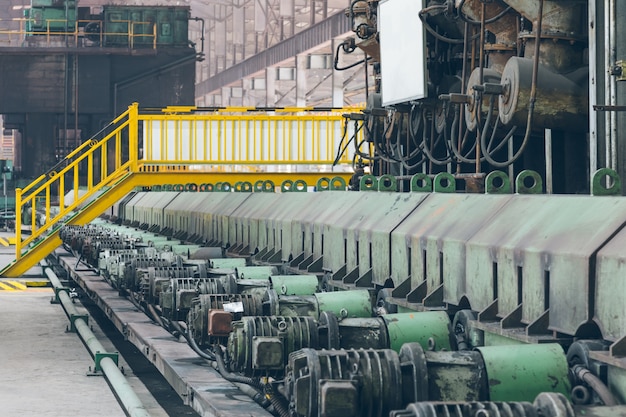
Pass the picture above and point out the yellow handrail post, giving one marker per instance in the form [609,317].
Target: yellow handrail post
[133,128]
[18,223]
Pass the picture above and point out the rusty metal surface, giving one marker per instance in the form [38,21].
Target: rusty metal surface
[430,244]
[535,254]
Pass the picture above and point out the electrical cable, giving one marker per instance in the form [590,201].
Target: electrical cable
[476,22]
[532,100]
[455,150]
[427,151]
[336,61]
[439,36]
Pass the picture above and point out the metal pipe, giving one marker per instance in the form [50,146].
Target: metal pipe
[593,89]
[123,391]
[607,85]
[612,49]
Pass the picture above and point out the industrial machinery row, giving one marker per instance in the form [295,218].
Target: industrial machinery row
[468,86]
[409,304]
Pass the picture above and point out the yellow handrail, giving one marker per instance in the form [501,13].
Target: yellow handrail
[179,137]
[16,36]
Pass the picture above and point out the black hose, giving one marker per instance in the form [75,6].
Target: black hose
[438,35]
[476,22]
[279,405]
[254,390]
[595,384]
[192,343]
[453,147]
[232,377]
[426,149]
[354,64]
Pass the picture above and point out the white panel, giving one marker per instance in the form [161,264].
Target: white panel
[220,38]
[260,15]
[286,8]
[402,51]
[239,25]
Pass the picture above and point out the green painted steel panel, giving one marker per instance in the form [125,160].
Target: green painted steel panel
[191,205]
[268,218]
[309,226]
[171,24]
[244,221]
[432,240]
[149,210]
[43,18]
[419,327]
[536,252]
[520,373]
[222,211]
[368,229]
[279,221]
[610,308]
[355,303]
[129,209]
[171,212]
[616,378]
[327,208]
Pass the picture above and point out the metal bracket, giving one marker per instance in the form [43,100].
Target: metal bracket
[619,70]
[614,186]
[55,299]
[601,107]
[74,317]
[99,356]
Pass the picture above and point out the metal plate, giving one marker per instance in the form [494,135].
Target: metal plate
[188,203]
[129,209]
[430,243]
[244,221]
[610,309]
[536,252]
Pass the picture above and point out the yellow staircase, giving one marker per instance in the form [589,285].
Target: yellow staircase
[175,145]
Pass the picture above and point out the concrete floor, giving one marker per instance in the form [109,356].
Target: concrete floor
[43,369]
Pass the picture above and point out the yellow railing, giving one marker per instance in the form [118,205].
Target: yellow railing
[178,137]
[282,137]
[15,37]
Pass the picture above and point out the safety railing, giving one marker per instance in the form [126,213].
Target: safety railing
[75,180]
[180,138]
[243,136]
[142,34]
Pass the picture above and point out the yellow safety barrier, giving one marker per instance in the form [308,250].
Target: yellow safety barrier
[176,143]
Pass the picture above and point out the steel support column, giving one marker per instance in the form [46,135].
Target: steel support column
[271,74]
[335,26]
[301,80]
